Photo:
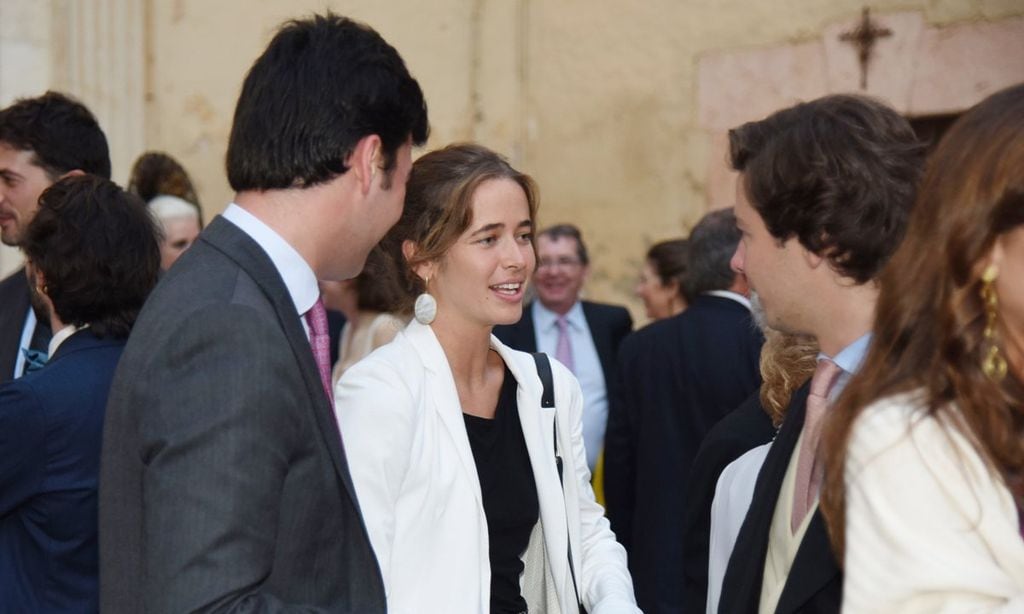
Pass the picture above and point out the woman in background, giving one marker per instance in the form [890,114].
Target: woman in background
[925,449]
[162,183]
[475,493]
[661,279]
[369,302]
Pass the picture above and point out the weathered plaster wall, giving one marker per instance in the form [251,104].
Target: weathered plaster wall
[600,100]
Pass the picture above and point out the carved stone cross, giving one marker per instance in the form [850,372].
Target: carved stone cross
[864,37]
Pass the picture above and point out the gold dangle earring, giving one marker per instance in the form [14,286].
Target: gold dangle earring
[993,364]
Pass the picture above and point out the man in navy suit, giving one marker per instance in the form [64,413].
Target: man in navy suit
[592,331]
[678,377]
[41,140]
[93,257]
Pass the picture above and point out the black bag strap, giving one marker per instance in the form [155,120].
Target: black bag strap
[547,400]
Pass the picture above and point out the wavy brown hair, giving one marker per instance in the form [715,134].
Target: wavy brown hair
[930,317]
[787,362]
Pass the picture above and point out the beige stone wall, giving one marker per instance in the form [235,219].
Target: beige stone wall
[600,100]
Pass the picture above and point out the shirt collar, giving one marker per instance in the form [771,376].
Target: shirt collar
[298,277]
[739,298]
[850,357]
[61,336]
[545,319]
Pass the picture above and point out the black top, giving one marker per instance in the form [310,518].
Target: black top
[509,494]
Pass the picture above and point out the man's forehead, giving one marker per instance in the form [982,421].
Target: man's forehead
[556,243]
[10,155]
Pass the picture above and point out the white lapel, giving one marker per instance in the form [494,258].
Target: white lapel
[538,432]
[441,393]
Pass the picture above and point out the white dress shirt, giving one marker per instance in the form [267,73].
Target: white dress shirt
[586,368]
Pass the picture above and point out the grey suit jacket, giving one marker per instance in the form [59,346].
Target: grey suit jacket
[224,485]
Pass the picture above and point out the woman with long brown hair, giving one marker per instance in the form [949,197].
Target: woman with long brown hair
[925,450]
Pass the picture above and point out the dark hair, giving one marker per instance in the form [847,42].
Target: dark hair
[59,131]
[712,243]
[930,318]
[438,205]
[375,286]
[96,246]
[568,231]
[670,261]
[322,84]
[838,173]
[155,173]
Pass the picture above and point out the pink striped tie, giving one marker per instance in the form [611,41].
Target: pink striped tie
[320,341]
[563,346]
[808,470]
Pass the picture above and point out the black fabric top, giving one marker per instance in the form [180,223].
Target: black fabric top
[509,494]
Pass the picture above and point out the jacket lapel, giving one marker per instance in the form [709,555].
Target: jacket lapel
[600,333]
[538,424]
[251,258]
[813,568]
[444,397]
[15,297]
[745,571]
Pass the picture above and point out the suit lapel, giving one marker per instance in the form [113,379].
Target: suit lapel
[538,424]
[600,333]
[745,571]
[250,257]
[813,568]
[526,333]
[12,320]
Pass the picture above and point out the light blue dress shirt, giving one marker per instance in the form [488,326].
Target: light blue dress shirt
[586,366]
[849,360]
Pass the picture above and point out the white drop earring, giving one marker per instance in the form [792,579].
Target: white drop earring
[426,306]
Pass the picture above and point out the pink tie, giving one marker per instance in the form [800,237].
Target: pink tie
[320,341]
[808,470]
[563,348]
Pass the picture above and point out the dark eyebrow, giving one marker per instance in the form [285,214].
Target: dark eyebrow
[499,226]
[488,228]
[9,174]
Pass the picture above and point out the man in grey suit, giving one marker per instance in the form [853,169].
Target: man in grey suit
[224,485]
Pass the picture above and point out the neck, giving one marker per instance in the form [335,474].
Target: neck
[676,306]
[55,323]
[294,214]
[847,317]
[466,348]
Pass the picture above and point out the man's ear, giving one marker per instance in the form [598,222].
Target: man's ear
[364,161]
[77,172]
[813,260]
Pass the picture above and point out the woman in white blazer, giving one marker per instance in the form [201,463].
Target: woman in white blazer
[416,417]
[925,449]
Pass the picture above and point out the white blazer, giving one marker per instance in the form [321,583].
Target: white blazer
[419,493]
[929,526]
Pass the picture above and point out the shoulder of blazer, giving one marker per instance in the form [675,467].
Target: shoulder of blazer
[606,313]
